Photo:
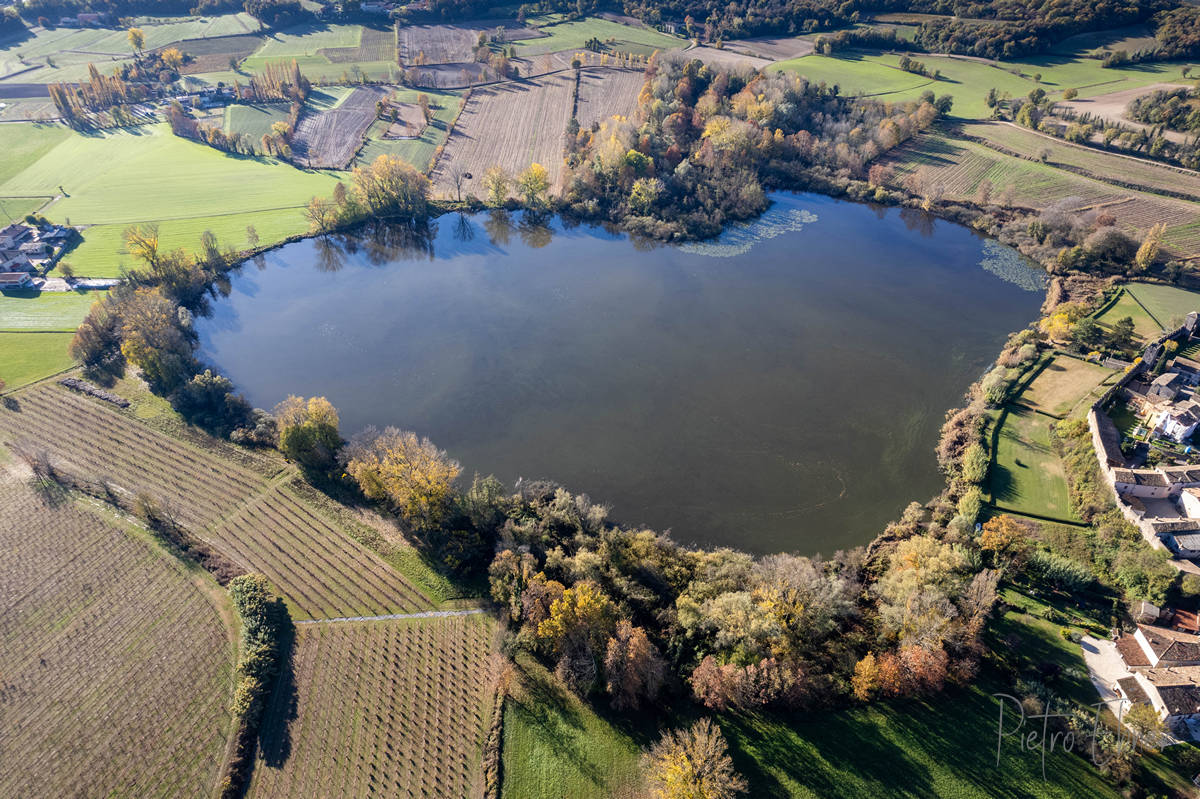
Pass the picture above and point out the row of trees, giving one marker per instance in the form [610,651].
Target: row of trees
[80,104]
[388,188]
[1176,109]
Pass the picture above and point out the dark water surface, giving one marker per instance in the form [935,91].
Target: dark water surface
[779,390]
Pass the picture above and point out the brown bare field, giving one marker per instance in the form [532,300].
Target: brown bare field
[410,121]
[381,708]
[329,139]
[605,93]
[774,48]
[512,125]
[116,667]
[375,45]
[727,57]
[256,521]
[212,55]
[453,44]
[450,76]
[957,168]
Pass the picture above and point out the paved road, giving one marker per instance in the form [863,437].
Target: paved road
[428,614]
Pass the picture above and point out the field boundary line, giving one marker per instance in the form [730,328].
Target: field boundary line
[1150,162]
[425,614]
[1142,305]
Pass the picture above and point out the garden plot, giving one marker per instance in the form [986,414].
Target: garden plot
[215,54]
[511,125]
[115,664]
[329,139]
[375,45]
[606,93]
[728,57]
[774,48]
[381,708]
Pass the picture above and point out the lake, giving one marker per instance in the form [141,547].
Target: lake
[779,389]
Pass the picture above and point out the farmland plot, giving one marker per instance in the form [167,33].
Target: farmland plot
[115,666]
[329,139]
[607,93]
[382,708]
[214,55]
[511,125]
[959,168]
[452,44]
[313,563]
[375,45]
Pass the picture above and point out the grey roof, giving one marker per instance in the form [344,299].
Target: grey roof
[1167,379]
[1188,541]
[1181,700]
[1171,645]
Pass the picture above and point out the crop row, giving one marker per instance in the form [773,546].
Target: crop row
[320,570]
[114,666]
[390,707]
[128,454]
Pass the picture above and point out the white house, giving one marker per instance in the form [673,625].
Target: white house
[15,280]
[1179,421]
[1165,665]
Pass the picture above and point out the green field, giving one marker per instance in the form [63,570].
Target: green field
[147,175]
[557,746]
[26,357]
[17,207]
[254,121]
[47,310]
[968,81]
[573,36]
[1144,324]
[1166,303]
[304,43]
[1026,476]
[418,152]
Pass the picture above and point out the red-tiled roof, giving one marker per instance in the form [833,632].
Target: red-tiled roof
[1131,652]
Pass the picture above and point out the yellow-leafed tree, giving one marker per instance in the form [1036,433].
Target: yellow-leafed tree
[404,470]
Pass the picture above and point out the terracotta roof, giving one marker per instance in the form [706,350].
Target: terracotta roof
[1131,652]
[1171,644]
[1133,691]
[1184,620]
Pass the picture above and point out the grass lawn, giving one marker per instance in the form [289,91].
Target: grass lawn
[47,310]
[1143,323]
[557,746]
[23,143]
[254,120]
[1166,303]
[26,357]
[855,72]
[1062,384]
[419,151]
[148,175]
[17,207]
[573,36]
[1026,476]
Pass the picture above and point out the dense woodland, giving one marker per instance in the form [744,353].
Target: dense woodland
[706,141]
[1177,109]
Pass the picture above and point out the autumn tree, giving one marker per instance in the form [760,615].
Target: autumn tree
[496,182]
[693,764]
[1148,252]
[533,185]
[1005,538]
[633,668]
[153,339]
[404,470]
[576,631]
[865,682]
[172,58]
[308,432]
[141,242]
[392,187]
[137,39]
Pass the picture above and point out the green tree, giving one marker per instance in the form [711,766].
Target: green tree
[496,182]
[1120,336]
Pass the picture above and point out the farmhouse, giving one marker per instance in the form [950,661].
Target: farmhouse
[1179,421]
[1164,671]
[15,280]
